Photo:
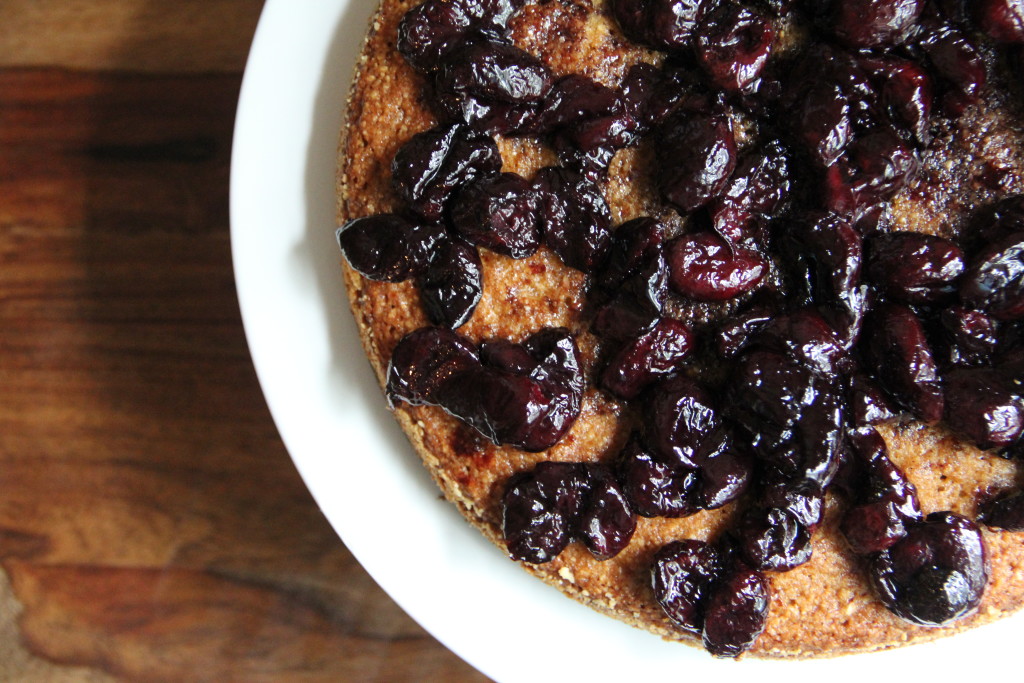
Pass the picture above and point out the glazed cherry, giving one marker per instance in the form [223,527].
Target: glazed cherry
[994,280]
[1002,20]
[702,266]
[493,72]
[876,166]
[875,23]
[424,360]
[635,245]
[574,217]
[452,284]
[664,24]
[826,254]
[696,155]
[530,405]
[868,404]
[607,522]
[885,500]
[981,405]
[881,479]
[733,45]
[574,98]
[1001,219]
[682,421]
[672,24]
[756,190]
[430,30]
[906,89]
[823,125]
[802,499]
[1004,513]
[736,332]
[725,472]
[956,61]
[792,417]
[653,488]
[388,247]
[432,164]
[736,613]
[643,360]
[806,337]
[913,267]
[546,508]
[683,575]
[540,509]
[773,539]
[500,213]
[936,573]
[872,527]
[896,341]
[971,337]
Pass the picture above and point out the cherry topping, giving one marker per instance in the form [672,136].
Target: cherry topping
[704,267]
[736,613]
[683,576]
[500,213]
[733,45]
[696,155]
[936,573]
[875,23]
[388,247]
[452,285]
[433,163]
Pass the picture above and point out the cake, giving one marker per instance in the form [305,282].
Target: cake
[706,311]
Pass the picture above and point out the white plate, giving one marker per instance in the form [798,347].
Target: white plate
[350,452]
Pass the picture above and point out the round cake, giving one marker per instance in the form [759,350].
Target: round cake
[707,312]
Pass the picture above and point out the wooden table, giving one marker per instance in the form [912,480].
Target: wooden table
[152,526]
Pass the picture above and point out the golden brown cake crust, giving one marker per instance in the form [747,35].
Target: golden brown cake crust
[822,608]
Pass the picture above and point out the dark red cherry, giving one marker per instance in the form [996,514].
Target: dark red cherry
[696,155]
[426,359]
[1002,20]
[956,61]
[452,285]
[936,573]
[500,213]
[1005,513]
[898,352]
[755,192]
[673,23]
[606,522]
[389,247]
[914,267]
[875,23]
[704,267]
[733,44]
[494,72]
[432,164]
[981,405]
[773,539]
[574,216]
[653,488]
[971,337]
[907,91]
[539,510]
[430,30]
[643,360]
[682,575]
[682,421]
[994,280]
[736,613]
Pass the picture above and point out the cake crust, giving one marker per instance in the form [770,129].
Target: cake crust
[822,608]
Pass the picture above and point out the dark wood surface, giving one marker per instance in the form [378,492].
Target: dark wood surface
[152,526]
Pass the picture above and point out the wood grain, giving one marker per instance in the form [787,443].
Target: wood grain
[152,526]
